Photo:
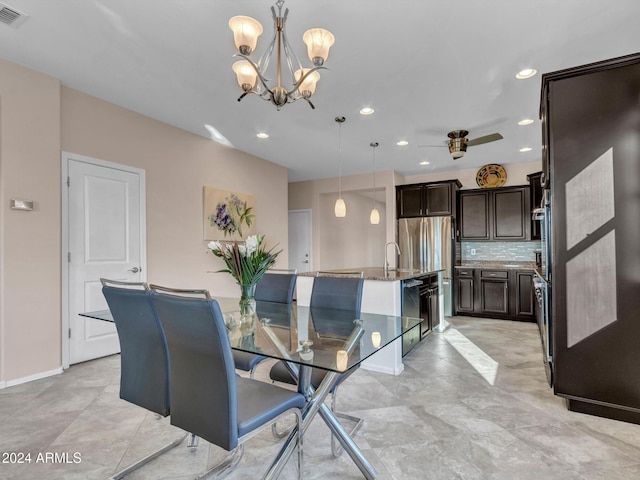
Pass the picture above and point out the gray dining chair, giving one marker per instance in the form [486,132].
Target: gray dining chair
[144,358]
[341,293]
[207,397]
[272,287]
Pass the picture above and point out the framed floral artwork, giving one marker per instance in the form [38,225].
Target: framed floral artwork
[228,215]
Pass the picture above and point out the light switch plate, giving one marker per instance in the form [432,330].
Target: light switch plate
[17,204]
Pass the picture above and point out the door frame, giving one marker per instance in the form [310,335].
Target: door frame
[309,212]
[66,157]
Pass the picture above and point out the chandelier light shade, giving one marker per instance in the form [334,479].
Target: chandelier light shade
[246,31]
[308,86]
[340,208]
[246,75]
[318,41]
[374,218]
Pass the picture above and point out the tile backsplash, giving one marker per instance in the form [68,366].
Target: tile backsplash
[523,251]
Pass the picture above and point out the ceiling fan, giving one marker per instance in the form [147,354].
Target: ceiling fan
[458,142]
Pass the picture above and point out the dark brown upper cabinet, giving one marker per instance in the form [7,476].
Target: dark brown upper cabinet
[500,214]
[437,199]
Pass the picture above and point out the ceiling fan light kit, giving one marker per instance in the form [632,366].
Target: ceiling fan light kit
[251,76]
[458,142]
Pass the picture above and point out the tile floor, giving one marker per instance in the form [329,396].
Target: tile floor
[472,403]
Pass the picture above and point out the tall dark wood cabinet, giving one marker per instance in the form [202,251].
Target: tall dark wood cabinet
[591,130]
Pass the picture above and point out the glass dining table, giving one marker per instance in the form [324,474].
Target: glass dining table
[332,340]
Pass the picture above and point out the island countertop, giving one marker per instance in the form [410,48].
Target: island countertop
[375,273]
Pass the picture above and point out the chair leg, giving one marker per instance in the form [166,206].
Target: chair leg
[336,448]
[279,435]
[224,467]
[147,459]
[300,444]
[192,444]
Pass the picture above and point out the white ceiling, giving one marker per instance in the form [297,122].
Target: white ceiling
[426,66]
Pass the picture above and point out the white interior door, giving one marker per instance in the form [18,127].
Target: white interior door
[105,239]
[300,240]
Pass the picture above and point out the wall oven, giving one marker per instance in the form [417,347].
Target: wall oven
[542,284]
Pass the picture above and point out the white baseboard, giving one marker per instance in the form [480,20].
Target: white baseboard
[31,378]
[381,369]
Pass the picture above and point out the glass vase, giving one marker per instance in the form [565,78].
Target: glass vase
[247,300]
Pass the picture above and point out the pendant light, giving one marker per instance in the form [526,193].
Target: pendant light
[374,218]
[340,208]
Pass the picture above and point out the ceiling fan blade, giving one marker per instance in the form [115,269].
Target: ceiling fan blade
[486,139]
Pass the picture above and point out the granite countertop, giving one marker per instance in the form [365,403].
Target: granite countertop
[375,273]
[497,264]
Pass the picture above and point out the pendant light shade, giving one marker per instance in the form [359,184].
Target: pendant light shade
[374,218]
[340,208]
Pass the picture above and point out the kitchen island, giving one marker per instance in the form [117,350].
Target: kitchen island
[382,293]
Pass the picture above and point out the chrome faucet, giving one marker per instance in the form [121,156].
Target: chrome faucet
[386,260]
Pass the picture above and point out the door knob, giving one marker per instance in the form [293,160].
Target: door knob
[305,261]
[135,270]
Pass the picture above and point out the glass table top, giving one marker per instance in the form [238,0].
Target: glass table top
[330,339]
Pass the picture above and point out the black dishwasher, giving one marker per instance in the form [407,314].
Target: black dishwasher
[411,308]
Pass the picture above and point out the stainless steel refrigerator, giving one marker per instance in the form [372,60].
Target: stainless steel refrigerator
[426,243]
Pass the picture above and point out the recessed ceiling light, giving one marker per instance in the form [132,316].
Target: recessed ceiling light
[526,121]
[424,163]
[526,149]
[526,73]
[402,143]
[366,111]
[262,135]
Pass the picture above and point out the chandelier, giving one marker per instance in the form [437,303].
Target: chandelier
[252,76]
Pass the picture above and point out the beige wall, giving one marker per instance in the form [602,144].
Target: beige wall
[309,195]
[38,120]
[29,241]
[351,241]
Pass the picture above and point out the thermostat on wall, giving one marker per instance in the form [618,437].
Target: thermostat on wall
[21,204]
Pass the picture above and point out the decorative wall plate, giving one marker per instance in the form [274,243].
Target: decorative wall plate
[491,176]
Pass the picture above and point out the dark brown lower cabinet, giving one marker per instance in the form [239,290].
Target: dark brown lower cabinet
[494,296]
[465,291]
[506,294]
[524,295]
